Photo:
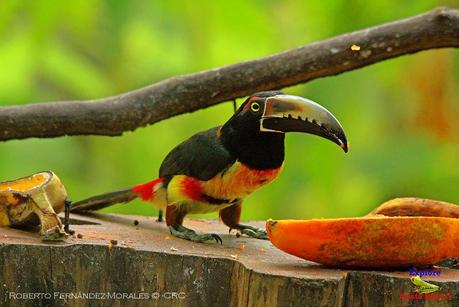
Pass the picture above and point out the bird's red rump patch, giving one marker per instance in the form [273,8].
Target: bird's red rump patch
[146,190]
[192,188]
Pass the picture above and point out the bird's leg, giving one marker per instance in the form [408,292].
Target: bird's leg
[174,220]
[231,215]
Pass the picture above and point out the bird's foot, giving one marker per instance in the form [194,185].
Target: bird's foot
[188,234]
[251,231]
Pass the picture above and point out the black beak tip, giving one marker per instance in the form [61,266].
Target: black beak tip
[342,140]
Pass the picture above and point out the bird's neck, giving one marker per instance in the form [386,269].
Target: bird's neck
[255,149]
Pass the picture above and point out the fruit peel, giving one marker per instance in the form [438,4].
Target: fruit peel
[33,201]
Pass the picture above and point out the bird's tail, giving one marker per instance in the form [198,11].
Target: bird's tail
[152,191]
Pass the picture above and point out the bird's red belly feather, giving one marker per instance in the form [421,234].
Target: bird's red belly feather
[236,182]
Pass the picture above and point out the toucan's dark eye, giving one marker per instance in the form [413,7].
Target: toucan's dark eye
[255,107]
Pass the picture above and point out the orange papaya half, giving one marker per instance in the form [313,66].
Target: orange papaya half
[369,242]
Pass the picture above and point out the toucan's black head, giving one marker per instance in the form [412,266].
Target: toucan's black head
[256,130]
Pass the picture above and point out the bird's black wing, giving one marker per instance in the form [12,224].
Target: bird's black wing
[202,156]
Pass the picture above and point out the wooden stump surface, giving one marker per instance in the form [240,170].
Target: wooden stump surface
[110,261]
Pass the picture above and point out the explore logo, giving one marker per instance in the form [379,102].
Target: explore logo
[424,291]
[426,272]
[422,286]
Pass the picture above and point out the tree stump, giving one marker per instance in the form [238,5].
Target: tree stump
[132,260]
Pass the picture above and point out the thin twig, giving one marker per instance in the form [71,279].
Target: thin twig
[113,115]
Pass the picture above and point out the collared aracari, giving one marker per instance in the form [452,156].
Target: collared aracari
[215,169]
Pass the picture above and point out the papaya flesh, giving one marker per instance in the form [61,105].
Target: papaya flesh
[376,240]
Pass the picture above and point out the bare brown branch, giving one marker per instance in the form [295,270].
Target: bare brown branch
[438,28]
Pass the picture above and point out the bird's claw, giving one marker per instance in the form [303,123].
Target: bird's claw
[251,231]
[188,234]
[217,238]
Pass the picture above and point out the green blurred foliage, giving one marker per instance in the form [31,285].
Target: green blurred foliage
[402,126]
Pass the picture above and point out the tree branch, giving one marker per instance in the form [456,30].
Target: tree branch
[113,115]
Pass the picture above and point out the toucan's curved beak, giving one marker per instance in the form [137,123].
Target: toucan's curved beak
[285,113]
